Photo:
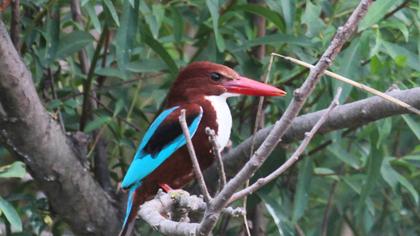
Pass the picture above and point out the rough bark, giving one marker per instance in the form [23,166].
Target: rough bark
[30,133]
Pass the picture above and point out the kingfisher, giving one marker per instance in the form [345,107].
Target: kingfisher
[162,159]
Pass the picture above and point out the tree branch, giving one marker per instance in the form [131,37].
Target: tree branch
[156,212]
[350,115]
[281,126]
[27,131]
[194,160]
[161,210]
[293,159]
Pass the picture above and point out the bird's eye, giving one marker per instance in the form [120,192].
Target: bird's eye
[215,76]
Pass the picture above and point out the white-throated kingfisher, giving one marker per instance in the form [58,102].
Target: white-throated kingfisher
[162,158]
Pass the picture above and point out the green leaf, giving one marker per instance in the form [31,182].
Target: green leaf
[373,169]
[72,43]
[400,60]
[395,50]
[14,170]
[161,51]
[398,25]
[147,66]
[378,44]
[263,11]
[312,20]
[275,40]
[376,12]
[349,67]
[213,6]
[323,171]
[97,123]
[414,125]
[392,177]
[287,8]
[53,35]
[153,17]
[111,72]
[92,16]
[126,34]
[384,129]
[11,215]
[343,155]
[302,190]
[277,212]
[110,6]
[178,24]
[119,106]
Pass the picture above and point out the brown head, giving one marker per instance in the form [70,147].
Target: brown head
[206,78]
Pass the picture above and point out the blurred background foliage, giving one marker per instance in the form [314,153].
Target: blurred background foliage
[361,181]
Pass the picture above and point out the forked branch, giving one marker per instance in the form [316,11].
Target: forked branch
[354,83]
[281,126]
[293,159]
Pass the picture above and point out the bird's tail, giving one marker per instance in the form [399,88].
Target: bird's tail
[135,199]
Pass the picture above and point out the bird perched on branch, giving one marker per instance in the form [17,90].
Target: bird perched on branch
[162,159]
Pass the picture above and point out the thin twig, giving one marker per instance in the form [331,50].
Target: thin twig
[194,160]
[354,83]
[259,53]
[294,158]
[401,6]
[257,125]
[118,117]
[15,25]
[54,95]
[216,152]
[89,80]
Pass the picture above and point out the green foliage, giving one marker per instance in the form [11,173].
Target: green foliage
[367,178]
[14,170]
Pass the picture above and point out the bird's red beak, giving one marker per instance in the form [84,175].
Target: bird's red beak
[247,86]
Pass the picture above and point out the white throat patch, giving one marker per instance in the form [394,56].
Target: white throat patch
[223,117]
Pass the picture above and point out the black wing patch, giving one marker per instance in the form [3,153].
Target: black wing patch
[165,134]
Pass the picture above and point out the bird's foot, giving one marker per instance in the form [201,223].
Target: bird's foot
[165,187]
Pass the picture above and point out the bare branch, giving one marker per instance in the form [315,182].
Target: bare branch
[219,161]
[160,211]
[156,213]
[281,126]
[194,160]
[88,103]
[293,159]
[349,115]
[355,84]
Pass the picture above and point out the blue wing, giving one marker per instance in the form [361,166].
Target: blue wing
[144,162]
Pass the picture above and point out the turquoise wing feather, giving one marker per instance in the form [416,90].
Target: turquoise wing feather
[145,163]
